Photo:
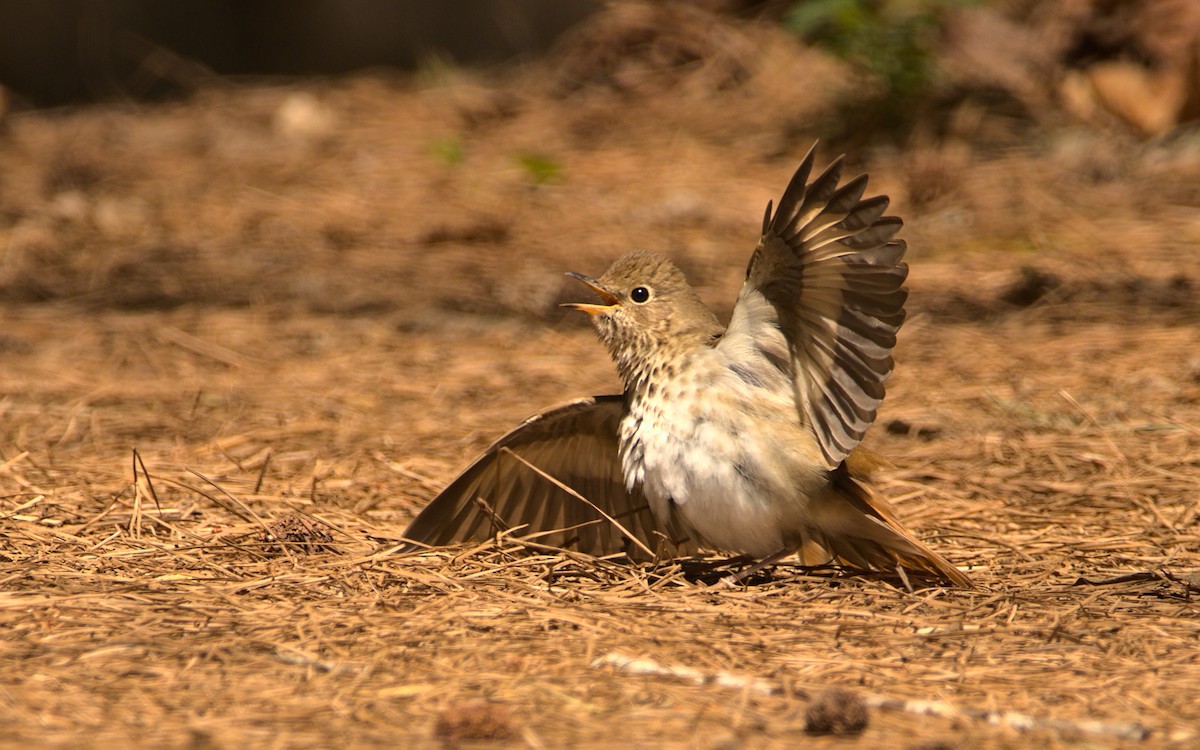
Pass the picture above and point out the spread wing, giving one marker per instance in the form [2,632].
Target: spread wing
[823,300]
[516,484]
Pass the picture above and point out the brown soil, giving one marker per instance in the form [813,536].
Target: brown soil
[247,336]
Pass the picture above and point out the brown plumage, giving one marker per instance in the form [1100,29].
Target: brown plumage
[742,438]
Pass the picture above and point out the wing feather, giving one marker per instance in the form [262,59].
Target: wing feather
[577,445]
[832,276]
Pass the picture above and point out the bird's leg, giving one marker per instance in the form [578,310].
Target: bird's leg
[737,578]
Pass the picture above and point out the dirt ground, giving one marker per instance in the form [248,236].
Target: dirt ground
[247,336]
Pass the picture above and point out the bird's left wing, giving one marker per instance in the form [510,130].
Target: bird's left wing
[519,483]
[822,302]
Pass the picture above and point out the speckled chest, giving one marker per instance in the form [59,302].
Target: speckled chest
[719,455]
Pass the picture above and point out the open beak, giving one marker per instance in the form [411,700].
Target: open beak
[611,300]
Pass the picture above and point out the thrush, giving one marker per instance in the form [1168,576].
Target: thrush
[742,438]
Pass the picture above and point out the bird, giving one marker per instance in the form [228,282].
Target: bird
[742,438]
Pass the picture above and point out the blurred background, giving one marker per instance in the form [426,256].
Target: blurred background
[229,150]
[74,51]
[1133,61]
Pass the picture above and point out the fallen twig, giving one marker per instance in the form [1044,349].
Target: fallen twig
[1012,719]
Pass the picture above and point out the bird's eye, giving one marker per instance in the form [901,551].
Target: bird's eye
[639,294]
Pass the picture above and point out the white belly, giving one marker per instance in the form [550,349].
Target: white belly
[744,490]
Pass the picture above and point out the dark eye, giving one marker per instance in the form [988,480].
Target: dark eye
[639,294]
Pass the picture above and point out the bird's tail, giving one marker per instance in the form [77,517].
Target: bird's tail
[859,528]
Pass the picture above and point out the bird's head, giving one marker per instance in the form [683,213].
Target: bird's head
[647,310]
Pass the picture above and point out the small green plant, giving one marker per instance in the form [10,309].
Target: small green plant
[540,168]
[450,151]
[893,41]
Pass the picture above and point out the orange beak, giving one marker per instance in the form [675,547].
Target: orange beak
[609,298]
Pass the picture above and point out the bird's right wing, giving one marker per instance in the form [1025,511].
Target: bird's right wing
[519,483]
[822,302]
